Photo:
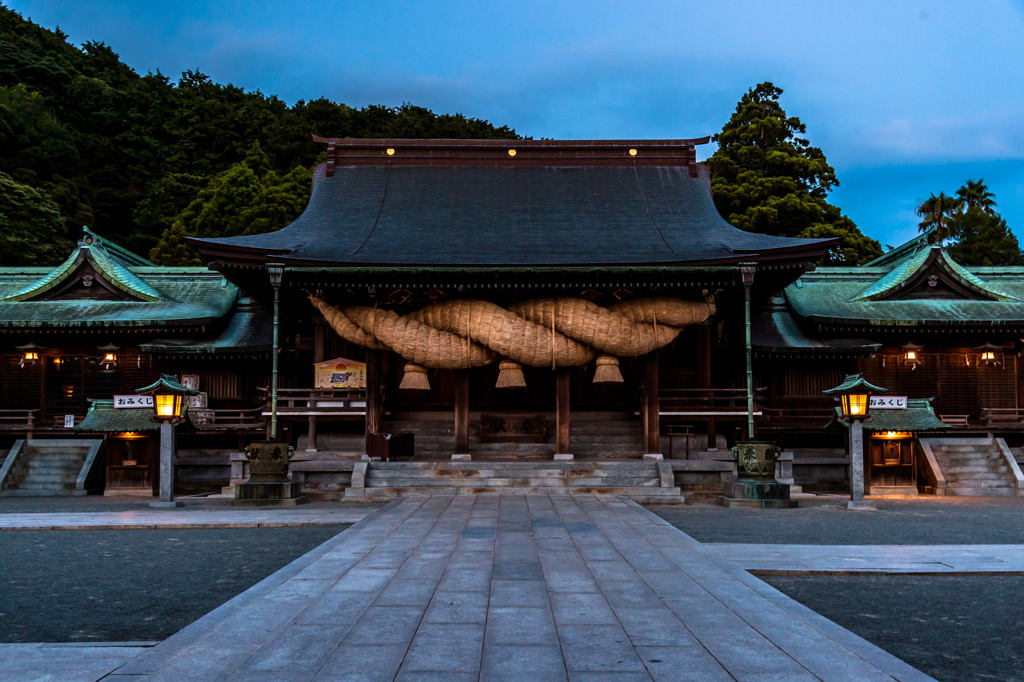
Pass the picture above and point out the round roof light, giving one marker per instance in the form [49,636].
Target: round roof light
[391,152]
[632,152]
[511,152]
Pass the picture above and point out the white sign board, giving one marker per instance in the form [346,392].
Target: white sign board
[888,402]
[69,421]
[133,401]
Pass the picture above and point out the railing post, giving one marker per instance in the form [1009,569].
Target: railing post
[275,270]
[747,270]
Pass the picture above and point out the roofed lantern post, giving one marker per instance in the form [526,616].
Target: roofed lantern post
[854,395]
[275,270]
[748,270]
[168,409]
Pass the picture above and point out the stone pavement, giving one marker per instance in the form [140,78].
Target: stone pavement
[174,519]
[854,559]
[513,587]
[65,662]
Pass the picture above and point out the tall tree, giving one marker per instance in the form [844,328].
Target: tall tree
[975,194]
[936,212]
[979,236]
[32,231]
[766,178]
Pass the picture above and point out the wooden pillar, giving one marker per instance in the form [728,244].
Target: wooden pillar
[319,355]
[461,412]
[652,445]
[562,423]
[374,397]
[704,377]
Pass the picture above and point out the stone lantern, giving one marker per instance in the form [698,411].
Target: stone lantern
[854,396]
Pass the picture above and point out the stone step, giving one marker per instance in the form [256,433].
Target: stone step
[975,469]
[51,478]
[507,482]
[41,485]
[993,482]
[965,492]
[648,494]
[651,466]
[46,467]
[566,474]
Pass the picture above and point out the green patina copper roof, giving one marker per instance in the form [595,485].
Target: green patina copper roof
[103,417]
[109,263]
[248,331]
[154,296]
[903,251]
[773,330]
[905,271]
[919,416]
[855,383]
[859,296]
[166,382]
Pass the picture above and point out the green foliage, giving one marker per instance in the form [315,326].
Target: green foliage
[31,228]
[976,234]
[767,179]
[248,198]
[936,212]
[127,154]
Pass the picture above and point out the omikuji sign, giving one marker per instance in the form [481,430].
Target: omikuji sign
[133,401]
[888,402]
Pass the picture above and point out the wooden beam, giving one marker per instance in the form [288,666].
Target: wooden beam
[704,375]
[374,397]
[562,424]
[653,441]
[319,355]
[461,412]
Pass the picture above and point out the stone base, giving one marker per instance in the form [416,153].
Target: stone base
[894,490]
[861,504]
[759,494]
[561,458]
[736,503]
[462,458]
[276,493]
[173,504]
[654,458]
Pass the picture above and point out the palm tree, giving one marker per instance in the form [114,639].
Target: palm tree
[975,194]
[936,212]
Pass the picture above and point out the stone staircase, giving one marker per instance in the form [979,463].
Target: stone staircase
[647,482]
[591,436]
[44,468]
[975,467]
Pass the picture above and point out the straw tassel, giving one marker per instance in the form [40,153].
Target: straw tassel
[607,370]
[510,375]
[415,378]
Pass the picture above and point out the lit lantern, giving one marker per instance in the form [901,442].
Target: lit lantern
[912,355]
[988,355]
[29,354]
[855,396]
[109,363]
[168,398]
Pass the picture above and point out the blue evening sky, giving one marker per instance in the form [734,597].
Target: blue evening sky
[905,98]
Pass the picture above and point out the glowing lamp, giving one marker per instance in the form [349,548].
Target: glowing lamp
[854,396]
[109,362]
[988,356]
[168,398]
[911,355]
[29,354]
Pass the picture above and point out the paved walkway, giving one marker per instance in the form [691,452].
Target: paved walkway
[852,559]
[65,662]
[513,587]
[150,520]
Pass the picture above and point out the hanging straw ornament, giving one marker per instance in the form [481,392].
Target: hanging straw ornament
[415,378]
[607,370]
[510,375]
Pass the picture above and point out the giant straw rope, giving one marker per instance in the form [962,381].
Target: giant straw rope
[541,332]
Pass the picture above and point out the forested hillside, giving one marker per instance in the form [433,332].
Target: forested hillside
[85,140]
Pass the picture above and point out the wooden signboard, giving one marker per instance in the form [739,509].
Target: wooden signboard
[519,428]
[340,373]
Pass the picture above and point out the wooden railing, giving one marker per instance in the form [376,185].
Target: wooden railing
[19,420]
[705,402]
[1003,416]
[316,402]
[228,420]
[795,418]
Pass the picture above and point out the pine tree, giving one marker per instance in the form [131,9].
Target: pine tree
[766,178]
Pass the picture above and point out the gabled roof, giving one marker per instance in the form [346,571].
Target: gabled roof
[248,331]
[498,203]
[103,417]
[774,331]
[128,295]
[923,287]
[919,416]
[109,261]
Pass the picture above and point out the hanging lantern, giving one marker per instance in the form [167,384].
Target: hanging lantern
[990,355]
[510,375]
[415,378]
[30,354]
[855,396]
[607,370]
[109,362]
[911,355]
